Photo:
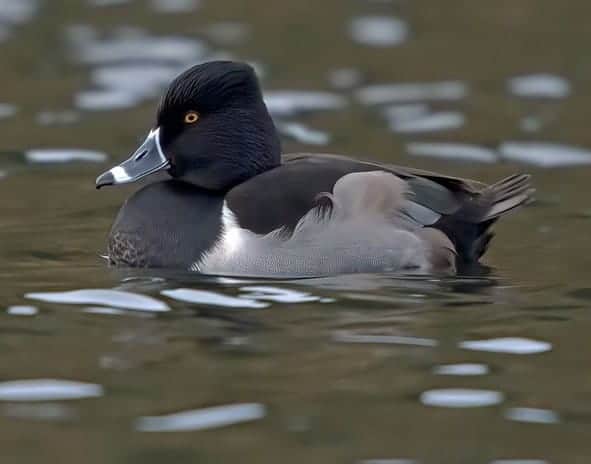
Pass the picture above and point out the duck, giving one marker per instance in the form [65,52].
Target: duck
[227,202]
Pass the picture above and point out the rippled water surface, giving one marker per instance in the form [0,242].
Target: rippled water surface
[110,366]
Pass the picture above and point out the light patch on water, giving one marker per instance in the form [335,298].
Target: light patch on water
[135,46]
[465,369]
[106,311]
[348,336]
[108,2]
[409,92]
[461,398]
[291,102]
[388,461]
[17,11]
[106,100]
[511,345]
[7,110]
[545,155]
[175,6]
[405,112]
[452,151]
[143,79]
[345,78]
[63,117]
[519,461]
[114,298]
[126,85]
[532,415]
[278,295]
[540,86]
[202,419]
[433,122]
[530,124]
[228,32]
[379,31]
[304,134]
[46,412]
[48,390]
[204,297]
[4,33]
[65,155]
[22,310]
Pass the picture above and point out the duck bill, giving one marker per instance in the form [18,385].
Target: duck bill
[146,160]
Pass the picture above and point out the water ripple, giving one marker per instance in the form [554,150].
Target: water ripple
[545,155]
[21,310]
[47,390]
[379,31]
[461,398]
[291,102]
[532,415]
[453,151]
[409,92]
[540,86]
[202,419]
[64,155]
[466,369]
[511,345]
[347,336]
[204,297]
[115,298]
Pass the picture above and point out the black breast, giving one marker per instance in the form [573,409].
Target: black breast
[165,224]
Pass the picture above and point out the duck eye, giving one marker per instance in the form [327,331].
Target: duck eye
[191,117]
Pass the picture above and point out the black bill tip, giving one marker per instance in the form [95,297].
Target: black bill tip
[105,179]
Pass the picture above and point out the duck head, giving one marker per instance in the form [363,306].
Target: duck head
[212,130]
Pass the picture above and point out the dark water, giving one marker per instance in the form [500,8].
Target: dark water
[356,369]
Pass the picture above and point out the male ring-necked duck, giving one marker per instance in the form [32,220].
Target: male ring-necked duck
[234,205]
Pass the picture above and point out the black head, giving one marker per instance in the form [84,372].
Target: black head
[213,130]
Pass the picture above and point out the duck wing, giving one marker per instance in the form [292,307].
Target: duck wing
[464,210]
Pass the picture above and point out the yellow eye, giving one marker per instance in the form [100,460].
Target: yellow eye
[191,117]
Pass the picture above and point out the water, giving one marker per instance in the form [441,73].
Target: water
[352,369]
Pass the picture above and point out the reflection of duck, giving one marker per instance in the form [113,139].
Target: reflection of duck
[235,206]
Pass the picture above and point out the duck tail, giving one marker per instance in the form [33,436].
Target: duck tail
[469,228]
[506,195]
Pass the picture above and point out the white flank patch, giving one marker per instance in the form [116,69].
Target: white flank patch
[230,241]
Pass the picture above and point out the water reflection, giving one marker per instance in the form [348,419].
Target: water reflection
[202,419]
[47,390]
[409,92]
[510,345]
[540,86]
[175,6]
[292,102]
[379,31]
[453,151]
[116,298]
[461,398]
[6,110]
[431,122]
[519,461]
[50,412]
[204,297]
[21,310]
[343,336]
[43,156]
[465,369]
[532,415]
[546,155]
[303,133]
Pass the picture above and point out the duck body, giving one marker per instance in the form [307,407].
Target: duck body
[235,206]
